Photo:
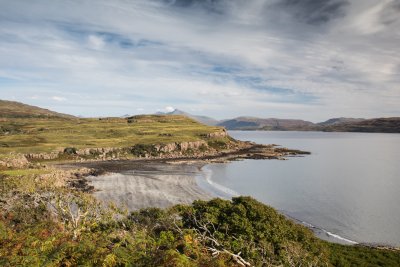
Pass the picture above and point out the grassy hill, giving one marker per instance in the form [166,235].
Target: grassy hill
[38,135]
[11,109]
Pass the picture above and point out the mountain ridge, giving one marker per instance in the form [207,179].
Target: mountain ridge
[339,120]
[253,123]
[13,109]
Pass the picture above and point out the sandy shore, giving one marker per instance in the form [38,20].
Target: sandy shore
[163,182]
[150,185]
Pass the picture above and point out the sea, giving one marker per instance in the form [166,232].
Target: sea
[346,191]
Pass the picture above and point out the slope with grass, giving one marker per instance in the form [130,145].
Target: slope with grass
[38,135]
[12,109]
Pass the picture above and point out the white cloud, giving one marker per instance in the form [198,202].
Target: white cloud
[114,56]
[58,98]
[96,42]
[169,109]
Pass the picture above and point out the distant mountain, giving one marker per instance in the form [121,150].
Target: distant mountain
[202,119]
[336,121]
[378,125]
[11,109]
[251,123]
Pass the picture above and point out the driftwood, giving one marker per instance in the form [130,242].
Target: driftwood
[206,236]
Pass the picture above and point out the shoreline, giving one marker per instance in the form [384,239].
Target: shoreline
[153,187]
[248,150]
[148,181]
[227,193]
[165,184]
[154,184]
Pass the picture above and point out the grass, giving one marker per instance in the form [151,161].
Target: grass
[11,109]
[24,172]
[38,135]
[349,256]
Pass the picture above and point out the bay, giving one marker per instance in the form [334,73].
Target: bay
[348,189]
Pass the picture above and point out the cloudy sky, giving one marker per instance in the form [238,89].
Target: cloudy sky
[308,59]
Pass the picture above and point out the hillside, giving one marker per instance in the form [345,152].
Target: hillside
[335,121]
[11,109]
[38,227]
[32,135]
[251,123]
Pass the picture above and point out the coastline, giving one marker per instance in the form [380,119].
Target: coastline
[147,182]
[227,193]
[161,181]
[163,184]
[153,184]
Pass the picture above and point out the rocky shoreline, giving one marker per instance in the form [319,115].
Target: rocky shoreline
[73,170]
[158,181]
[246,150]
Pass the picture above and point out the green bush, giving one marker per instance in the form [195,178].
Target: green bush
[70,151]
[141,150]
[255,230]
[217,144]
[37,229]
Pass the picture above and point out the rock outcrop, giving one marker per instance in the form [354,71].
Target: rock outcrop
[97,151]
[169,150]
[14,161]
[42,156]
[220,134]
[182,146]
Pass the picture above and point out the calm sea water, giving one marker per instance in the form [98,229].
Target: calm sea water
[349,187]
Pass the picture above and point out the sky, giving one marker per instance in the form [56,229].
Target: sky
[300,59]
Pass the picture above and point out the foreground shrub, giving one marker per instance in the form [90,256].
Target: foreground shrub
[44,225]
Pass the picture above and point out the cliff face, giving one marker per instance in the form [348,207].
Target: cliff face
[220,134]
[160,150]
[182,146]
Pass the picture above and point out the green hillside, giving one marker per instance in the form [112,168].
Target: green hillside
[38,135]
[11,109]
[45,223]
